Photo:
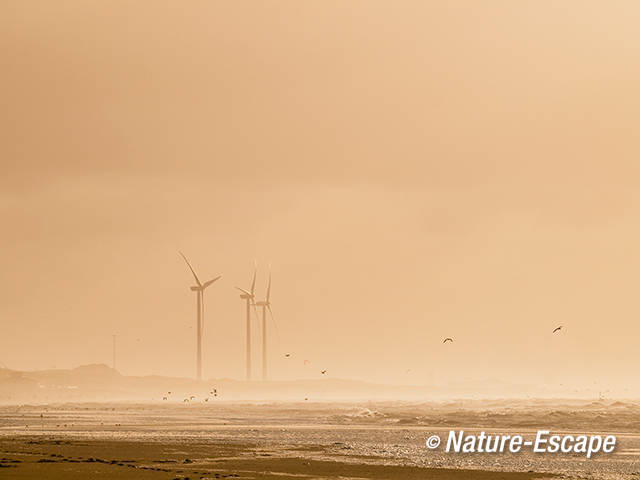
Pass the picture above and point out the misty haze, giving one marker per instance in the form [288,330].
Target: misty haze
[276,239]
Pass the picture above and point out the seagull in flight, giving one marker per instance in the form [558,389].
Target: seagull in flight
[448,339]
[557,329]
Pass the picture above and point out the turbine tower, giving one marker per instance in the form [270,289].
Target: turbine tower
[249,297]
[199,289]
[266,305]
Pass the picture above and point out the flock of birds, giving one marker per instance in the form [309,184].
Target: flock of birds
[213,393]
[306,362]
[449,339]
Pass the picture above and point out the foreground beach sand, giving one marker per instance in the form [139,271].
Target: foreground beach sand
[292,440]
[61,458]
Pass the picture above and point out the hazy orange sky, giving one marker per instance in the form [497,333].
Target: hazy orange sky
[412,170]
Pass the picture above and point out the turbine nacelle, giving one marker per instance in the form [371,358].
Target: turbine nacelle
[250,294]
[245,294]
[266,302]
[201,288]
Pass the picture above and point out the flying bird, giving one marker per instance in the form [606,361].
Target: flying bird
[448,339]
[323,372]
[557,329]
[287,355]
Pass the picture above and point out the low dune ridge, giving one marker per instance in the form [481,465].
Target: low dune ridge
[100,383]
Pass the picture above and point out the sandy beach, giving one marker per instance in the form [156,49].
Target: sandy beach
[60,458]
[255,441]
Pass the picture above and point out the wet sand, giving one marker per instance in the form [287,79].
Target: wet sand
[60,458]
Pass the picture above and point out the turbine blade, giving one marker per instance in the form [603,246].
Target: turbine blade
[253,282]
[273,319]
[206,284]
[191,268]
[269,285]
[244,291]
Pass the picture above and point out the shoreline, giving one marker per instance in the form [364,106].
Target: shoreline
[336,441]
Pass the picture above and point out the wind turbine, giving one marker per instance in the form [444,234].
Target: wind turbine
[249,297]
[199,289]
[266,305]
